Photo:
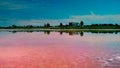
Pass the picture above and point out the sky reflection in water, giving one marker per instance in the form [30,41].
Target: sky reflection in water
[59,50]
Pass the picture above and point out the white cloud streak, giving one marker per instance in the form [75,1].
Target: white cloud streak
[88,19]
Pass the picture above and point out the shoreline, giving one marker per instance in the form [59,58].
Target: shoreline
[59,29]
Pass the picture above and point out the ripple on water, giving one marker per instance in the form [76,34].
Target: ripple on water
[112,62]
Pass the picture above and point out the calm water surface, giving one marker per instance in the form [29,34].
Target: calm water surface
[59,50]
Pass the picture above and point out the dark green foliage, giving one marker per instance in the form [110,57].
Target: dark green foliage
[48,25]
[81,23]
[116,25]
[61,25]
[45,25]
[29,26]
[14,26]
[70,23]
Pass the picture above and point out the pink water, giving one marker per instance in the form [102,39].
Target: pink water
[38,50]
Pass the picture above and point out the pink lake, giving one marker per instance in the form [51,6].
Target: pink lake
[55,50]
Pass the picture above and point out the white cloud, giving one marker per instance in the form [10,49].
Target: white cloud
[88,19]
[40,22]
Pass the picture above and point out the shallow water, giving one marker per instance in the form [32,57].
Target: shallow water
[59,50]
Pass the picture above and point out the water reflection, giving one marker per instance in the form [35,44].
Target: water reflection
[81,33]
[111,62]
[59,49]
[46,32]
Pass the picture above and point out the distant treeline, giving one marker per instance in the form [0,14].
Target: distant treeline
[71,25]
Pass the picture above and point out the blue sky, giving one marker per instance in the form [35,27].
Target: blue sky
[38,12]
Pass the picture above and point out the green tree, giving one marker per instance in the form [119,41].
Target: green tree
[61,24]
[45,25]
[14,26]
[48,24]
[70,23]
[116,24]
[81,23]
[29,26]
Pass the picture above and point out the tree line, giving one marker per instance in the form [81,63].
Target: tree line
[70,25]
